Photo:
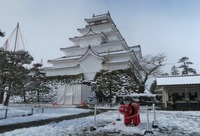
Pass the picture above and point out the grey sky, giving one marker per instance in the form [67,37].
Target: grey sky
[159,26]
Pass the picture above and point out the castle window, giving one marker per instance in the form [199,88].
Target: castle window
[98,22]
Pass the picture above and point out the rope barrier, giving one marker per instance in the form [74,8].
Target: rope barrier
[154,124]
[133,116]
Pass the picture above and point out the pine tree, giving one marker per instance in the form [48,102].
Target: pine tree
[185,66]
[13,71]
[153,87]
[174,70]
[115,83]
[2,34]
[3,61]
[37,85]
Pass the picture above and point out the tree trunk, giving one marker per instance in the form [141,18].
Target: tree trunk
[38,96]
[24,95]
[141,88]
[8,93]
[110,91]
[1,97]
[7,99]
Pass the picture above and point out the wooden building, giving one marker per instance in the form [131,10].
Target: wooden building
[185,89]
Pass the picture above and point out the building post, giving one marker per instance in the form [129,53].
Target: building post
[93,128]
[187,95]
[198,94]
[165,97]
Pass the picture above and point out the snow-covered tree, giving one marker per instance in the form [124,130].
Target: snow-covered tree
[174,70]
[153,87]
[125,82]
[37,84]
[13,71]
[25,87]
[185,66]
[3,61]
[115,83]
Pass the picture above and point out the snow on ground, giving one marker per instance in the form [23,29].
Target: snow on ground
[173,123]
[38,113]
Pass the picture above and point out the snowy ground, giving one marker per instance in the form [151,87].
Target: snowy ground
[173,123]
[18,113]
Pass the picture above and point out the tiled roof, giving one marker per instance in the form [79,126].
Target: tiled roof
[178,80]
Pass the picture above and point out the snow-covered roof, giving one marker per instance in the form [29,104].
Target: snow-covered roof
[90,51]
[99,17]
[65,58]
[97,27]
[141,94]
[115,52]
[102,35]
[67,67]
[178,80]
[116,62]
[70,47]
[136,48]
[75,57]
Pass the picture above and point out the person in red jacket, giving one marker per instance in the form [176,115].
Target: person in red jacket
[135,114]
[131,113]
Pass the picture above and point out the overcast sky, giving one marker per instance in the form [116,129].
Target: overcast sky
[171,27]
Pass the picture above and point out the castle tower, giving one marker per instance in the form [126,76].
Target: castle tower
[100,47]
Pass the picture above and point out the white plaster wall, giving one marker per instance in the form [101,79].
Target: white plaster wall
[112,38]
[91,42]
[99,29]
[122,57]
[59,64]
[116,66]
[138,55]
[90,65]
[55,72]
[106,48]
[74,52]
[76,43]
[89,68]
[105,30]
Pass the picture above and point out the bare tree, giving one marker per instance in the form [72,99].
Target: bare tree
[151,66]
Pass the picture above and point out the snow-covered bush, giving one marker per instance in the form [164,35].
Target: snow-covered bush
[119,82]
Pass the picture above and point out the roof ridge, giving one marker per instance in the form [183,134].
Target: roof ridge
[178,76]
[104,14]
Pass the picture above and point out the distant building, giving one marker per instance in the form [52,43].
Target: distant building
[100,47]
[185,89]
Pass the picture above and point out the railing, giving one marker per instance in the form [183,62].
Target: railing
[9,112]
[185,105]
